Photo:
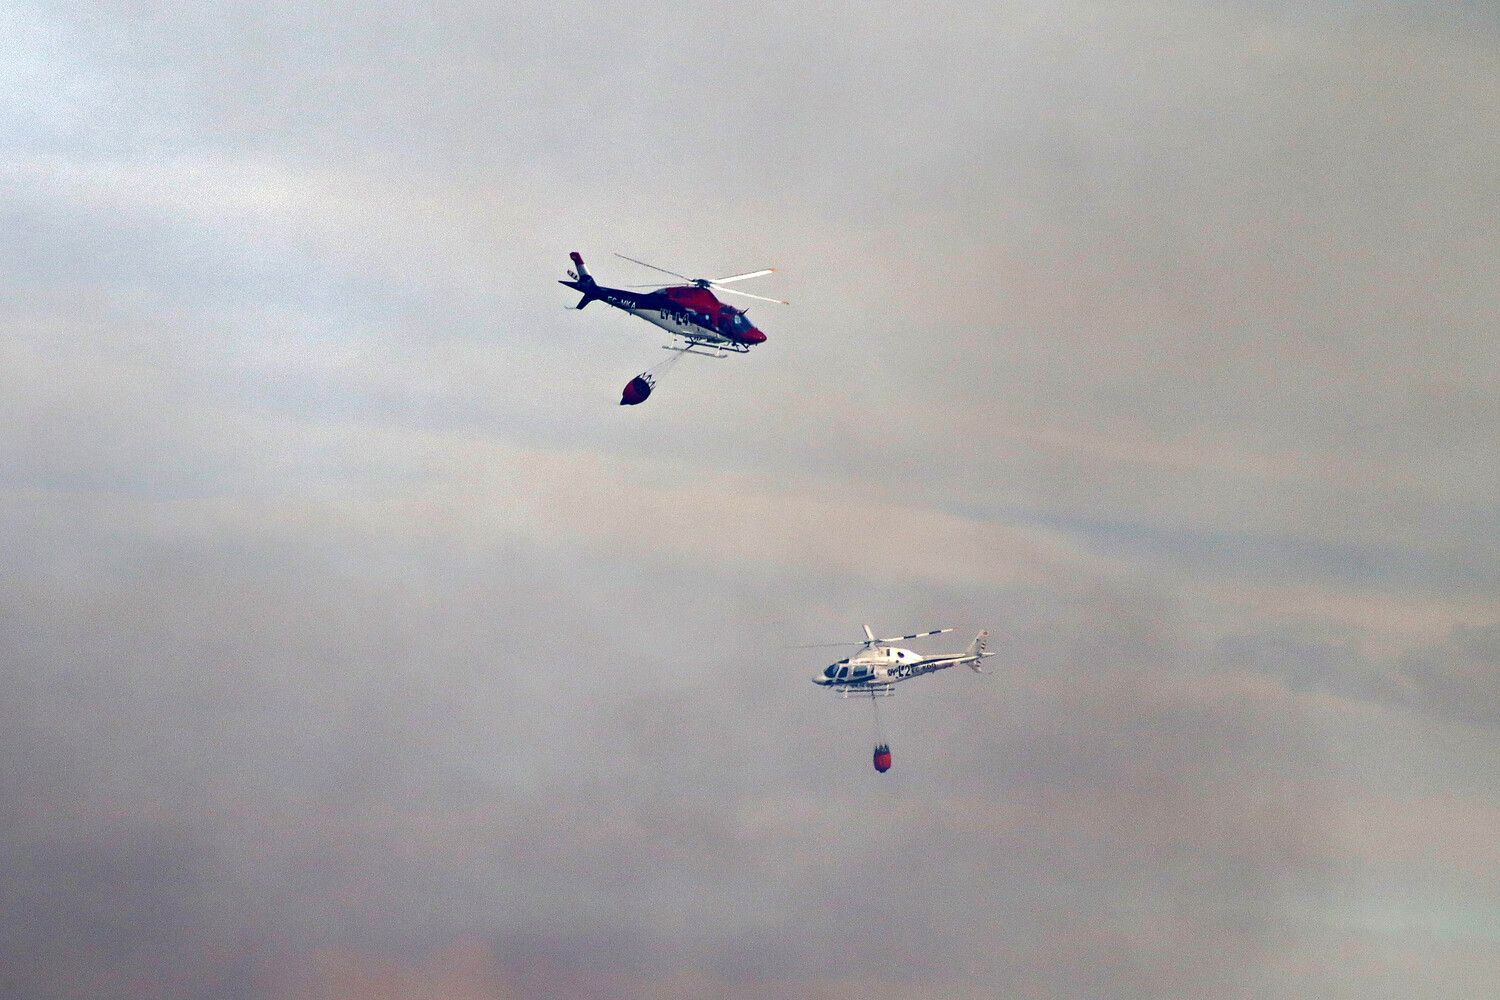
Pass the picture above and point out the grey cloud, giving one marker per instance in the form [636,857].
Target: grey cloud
[108,916]
[345,790]
[1460,677]
[1452,677]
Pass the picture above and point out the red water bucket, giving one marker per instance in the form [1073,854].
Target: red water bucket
[882,758]
[636,391]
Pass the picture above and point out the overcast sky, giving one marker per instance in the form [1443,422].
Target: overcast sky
[356,643]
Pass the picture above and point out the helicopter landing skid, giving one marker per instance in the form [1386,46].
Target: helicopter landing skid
[869,691]
[718,351]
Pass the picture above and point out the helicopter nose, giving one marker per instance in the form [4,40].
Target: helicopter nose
[754,336]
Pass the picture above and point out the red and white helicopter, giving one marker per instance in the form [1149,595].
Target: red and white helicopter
[691,313]
[876,669]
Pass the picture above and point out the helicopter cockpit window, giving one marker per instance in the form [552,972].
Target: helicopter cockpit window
[830,671]
[736,322]
[860,671]
[843,672]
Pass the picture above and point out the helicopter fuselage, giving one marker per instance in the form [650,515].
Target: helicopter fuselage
[686,311]
[878,669]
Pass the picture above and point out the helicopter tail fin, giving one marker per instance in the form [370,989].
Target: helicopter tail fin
[979,650]
[582,280]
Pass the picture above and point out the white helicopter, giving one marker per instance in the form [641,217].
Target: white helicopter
[876,669]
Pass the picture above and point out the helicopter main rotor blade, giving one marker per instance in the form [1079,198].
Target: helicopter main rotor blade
[827,645]
[870,642]
[742,277]
[653,267]
[914,635]
[732,291]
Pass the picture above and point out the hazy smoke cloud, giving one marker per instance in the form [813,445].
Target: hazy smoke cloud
[357,645]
